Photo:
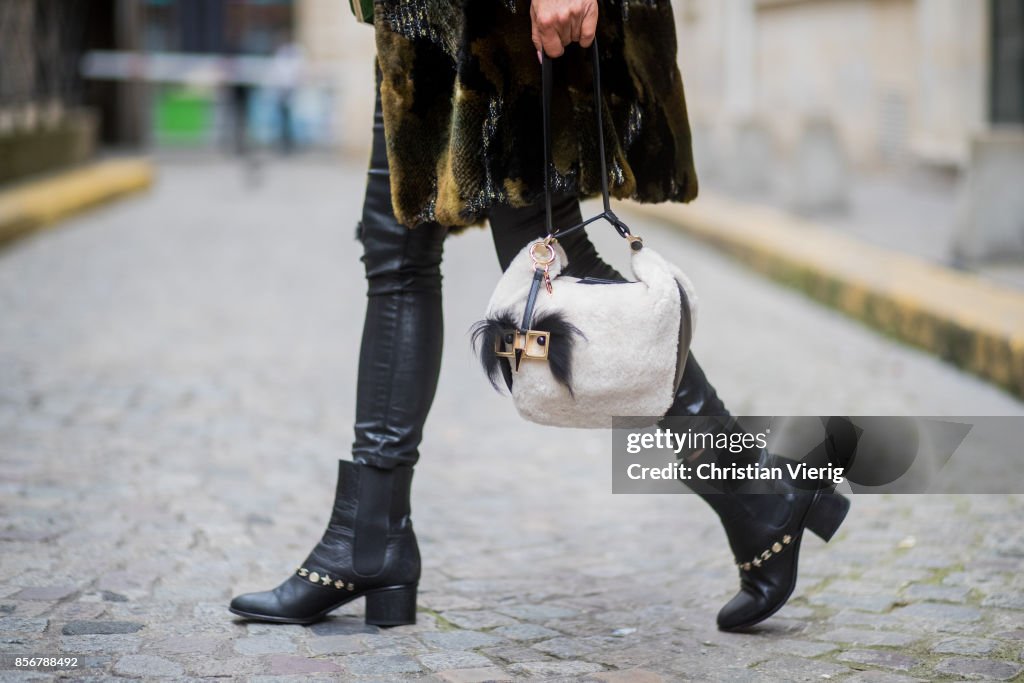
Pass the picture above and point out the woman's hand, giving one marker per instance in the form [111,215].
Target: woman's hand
[556,23]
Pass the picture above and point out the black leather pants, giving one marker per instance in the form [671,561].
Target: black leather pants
[400,356]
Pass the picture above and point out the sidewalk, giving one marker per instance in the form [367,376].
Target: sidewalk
[177,382]
[971,322]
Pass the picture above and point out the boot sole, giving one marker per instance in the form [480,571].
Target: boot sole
[823,517]
[389,606]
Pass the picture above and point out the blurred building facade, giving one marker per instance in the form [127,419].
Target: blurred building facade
[897,78]
[137,73]
[43,123]
[311,51]
[331,36]
[794,97]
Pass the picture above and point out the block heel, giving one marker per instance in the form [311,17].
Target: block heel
[826,514]
[393,606]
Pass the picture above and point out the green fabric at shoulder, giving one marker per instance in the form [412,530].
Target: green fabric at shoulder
[363,9]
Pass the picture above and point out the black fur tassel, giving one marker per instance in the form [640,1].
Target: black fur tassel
[485,333]
[563,338]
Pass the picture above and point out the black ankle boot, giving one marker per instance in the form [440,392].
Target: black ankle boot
[765,536]
[368,550]
[765,528]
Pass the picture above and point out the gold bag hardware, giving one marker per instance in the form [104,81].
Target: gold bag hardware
[530,344]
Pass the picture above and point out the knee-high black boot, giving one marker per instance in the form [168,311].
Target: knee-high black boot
[765,528]
[369,548]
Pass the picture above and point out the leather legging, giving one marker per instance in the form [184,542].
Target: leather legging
[400,355]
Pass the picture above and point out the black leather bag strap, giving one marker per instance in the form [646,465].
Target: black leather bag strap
[607,214]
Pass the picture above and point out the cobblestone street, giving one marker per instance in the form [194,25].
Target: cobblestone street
[177,383]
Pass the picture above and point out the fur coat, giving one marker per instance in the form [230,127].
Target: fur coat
[460,94]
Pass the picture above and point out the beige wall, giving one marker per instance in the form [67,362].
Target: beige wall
[331,37]
[899,78]
[952,77]
[701,32]
[849,59]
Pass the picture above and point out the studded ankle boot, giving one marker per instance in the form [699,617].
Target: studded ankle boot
[764,528]
[368,550]
[765,537]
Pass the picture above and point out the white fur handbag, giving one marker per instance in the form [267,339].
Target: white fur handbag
[575,352]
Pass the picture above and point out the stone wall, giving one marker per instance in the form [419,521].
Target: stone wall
[900,79]
[331,37]
[952,78]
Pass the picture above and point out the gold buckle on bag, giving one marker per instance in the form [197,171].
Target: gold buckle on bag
[548,258]
[531,344]
[543,263]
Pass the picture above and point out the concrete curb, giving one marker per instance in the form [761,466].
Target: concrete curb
[34,205]
[971,323]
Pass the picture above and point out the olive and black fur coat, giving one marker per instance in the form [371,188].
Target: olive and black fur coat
[460,93]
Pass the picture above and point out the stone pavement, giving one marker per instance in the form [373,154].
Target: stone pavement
[176,385]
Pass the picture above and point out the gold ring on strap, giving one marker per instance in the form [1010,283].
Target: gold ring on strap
[545,260]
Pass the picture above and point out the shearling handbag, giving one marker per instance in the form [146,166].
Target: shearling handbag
[575,352]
